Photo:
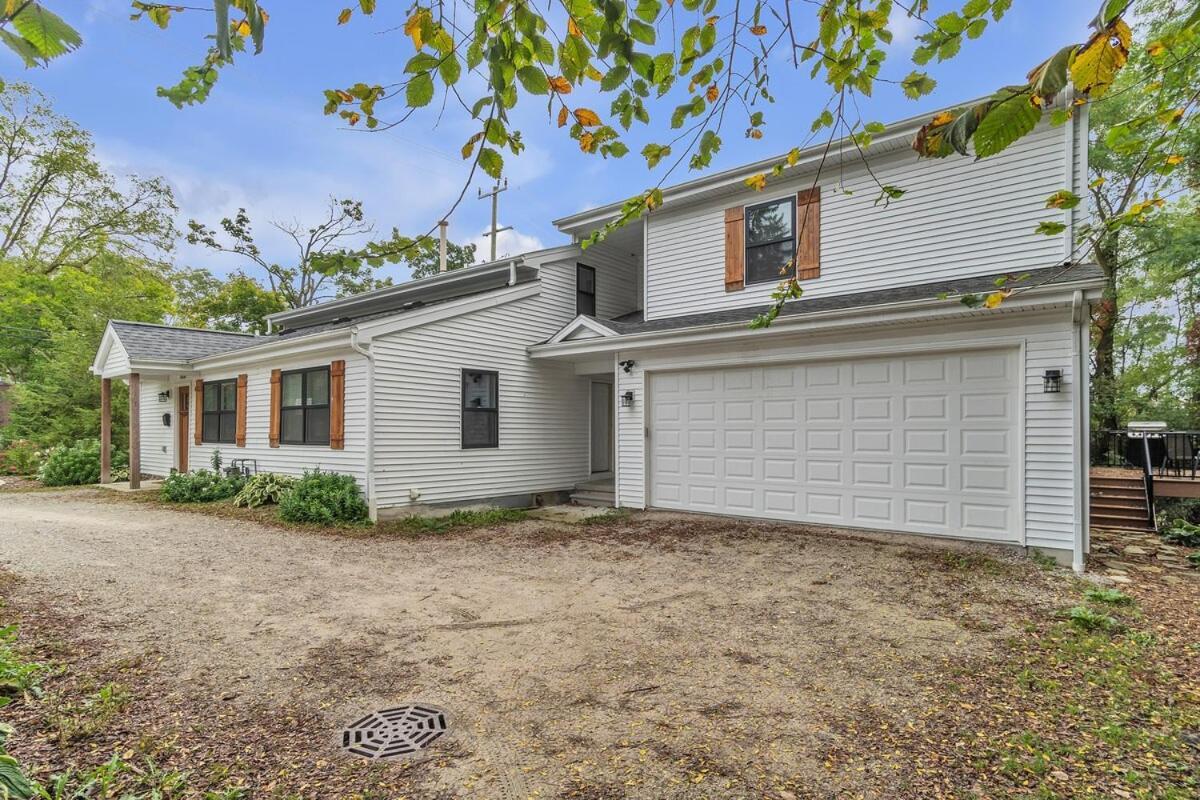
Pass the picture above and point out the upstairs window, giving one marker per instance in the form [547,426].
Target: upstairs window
[219,421]
[304,407]
[585,290]
[770,240]
[480,409]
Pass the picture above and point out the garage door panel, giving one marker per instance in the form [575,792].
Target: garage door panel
[923,443]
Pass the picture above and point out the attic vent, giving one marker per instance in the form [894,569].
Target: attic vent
[395,732]
[413,304]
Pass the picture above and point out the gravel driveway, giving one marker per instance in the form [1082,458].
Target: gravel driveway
[662,656]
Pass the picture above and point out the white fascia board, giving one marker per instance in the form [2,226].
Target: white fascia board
[581,322]
[452,308]
[908,312]
[299,345]
[106,343]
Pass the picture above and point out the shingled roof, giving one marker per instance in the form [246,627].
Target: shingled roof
[145,341]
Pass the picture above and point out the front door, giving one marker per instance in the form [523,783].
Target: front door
[601,427]
[182,429]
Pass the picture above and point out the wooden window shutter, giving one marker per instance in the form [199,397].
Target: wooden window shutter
[808,231]
[337,405]
[240,431]
[276,381]
[198,409]
[735,249]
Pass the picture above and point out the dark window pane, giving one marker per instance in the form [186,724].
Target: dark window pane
[293,389]
[317,426]
[770,222]
[211,396]
[228,427]
[291,425]
[229,396]
[318,388]
[585,304]
[480,390]
[587,280]
[768,262]
[479,428]
[210,427]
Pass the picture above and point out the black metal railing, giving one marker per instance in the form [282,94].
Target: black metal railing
[1167,454]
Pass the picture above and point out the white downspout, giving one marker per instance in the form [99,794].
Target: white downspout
[369,457]
[1080,422]
[512,272]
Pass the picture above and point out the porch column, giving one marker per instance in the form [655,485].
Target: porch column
[106,430]
[135,430]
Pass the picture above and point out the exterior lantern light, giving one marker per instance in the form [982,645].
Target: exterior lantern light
[1052,381]
[627,399]
[164,396]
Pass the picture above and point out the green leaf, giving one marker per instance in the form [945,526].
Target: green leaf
[367,6]
[49,35]
[1049,77]
[654,153]
[1064,199]
[491,162]
[419,91]
[917,84]
[642,32]
[1010,117]
[534,80]
[450,70]
[647,10]
[22,48]
[614,78]
[1051,228]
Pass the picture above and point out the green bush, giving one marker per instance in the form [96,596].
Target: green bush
[1183,532]
[263,488]
[76,465]
[201,486]
[1172,508]
[324,498]
[21,458]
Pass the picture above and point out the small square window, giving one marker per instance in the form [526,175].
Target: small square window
[304,407]
[770,241]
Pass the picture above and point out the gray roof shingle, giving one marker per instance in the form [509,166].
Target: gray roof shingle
[150,342]
[635,323]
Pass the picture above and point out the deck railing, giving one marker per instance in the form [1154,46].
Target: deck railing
[1168,454]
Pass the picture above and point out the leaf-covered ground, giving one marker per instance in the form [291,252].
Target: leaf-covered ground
[650,656]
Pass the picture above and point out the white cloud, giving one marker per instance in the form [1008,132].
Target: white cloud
[508,243]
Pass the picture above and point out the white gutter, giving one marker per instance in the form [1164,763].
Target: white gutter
[369,457]
[1080,423]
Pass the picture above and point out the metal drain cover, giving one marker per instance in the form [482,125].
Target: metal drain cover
[395,732]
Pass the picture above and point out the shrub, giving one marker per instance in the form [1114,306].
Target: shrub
[1089,620]
[77,464]
[263,488]
[1113,597]
[18,676]
[1183,532]
[21,458]
[201,486]
[323,498]
[1172,508]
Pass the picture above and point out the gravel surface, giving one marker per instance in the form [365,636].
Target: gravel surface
[660,656]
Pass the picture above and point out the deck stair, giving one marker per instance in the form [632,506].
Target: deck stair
[596,492]
[1118,502]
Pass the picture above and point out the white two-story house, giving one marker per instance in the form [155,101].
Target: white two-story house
[877,400]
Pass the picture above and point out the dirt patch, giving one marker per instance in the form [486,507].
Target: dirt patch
[655,656]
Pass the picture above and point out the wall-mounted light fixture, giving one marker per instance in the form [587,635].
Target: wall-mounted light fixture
[1052,381]
[166,420]
[164,396]
[627,366]
[627,399]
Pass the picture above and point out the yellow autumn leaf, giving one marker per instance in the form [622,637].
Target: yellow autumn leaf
[757,182]
[572,28]
[562,116]
[242,28]
[1095,66]
[712,20]
[586,117]
[353,118]
[1174,159]
[712,93]
[593,73]
[943,118]
[755,133]
[793,156]
[1155,49]
[343,17]
[560,85]
[585,142]
[345,96]
[413,27]
[759,30]
[996,298]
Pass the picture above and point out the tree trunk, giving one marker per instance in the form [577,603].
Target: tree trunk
[1104,327]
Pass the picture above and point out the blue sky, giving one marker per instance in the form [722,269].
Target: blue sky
[262,142]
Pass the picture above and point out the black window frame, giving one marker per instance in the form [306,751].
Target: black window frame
[216,388]
[494,429]
[581,295]
[305,407]
[747,247]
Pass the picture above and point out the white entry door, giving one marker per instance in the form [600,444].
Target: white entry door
[923,443]
[601,427]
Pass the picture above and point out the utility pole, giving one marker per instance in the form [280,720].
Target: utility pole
[495,231]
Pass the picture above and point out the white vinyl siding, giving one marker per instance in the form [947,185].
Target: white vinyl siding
[158,443]
[959,217]
[543,419]
[1043,338]
[290,459]
[618,281]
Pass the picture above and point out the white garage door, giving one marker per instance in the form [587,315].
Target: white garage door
[924,443]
